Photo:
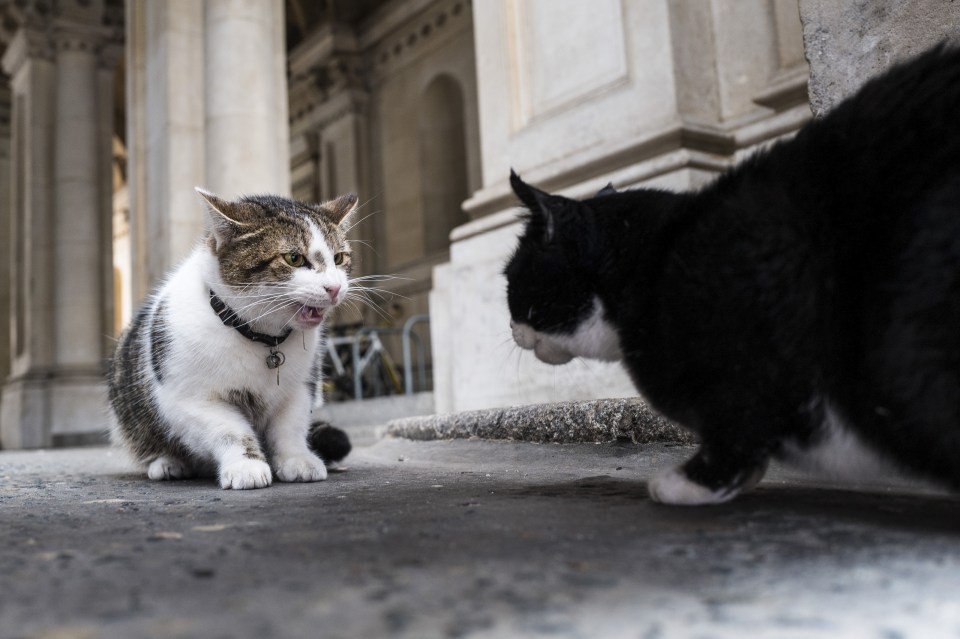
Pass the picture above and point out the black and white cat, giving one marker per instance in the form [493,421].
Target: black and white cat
[217,373]
[804,306]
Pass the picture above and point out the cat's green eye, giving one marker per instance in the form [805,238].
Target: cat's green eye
[294,259]
[339,258]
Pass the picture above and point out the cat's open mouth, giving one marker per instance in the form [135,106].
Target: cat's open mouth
[310,315]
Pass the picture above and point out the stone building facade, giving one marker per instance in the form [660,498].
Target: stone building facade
[111,112]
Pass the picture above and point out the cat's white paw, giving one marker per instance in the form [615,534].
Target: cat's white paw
[305,467]
[245,474]
[164,467]
[673,487]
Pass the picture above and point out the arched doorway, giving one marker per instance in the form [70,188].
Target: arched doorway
[443,161]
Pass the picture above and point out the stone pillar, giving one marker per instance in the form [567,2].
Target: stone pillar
[77,388]
[60,215]
[847,43]
[77,202]
[207,106]
[247,140]
[6,237]
[165,135]
[24,410]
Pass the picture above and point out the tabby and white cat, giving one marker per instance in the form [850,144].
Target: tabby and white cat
[218,371]
[804,306]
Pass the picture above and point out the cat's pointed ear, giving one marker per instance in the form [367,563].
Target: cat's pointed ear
[609,189]
[536,202]
[224,216]
[341,209]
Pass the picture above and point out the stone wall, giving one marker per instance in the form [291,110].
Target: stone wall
[847,43]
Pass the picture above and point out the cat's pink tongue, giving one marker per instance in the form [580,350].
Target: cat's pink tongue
[311,316]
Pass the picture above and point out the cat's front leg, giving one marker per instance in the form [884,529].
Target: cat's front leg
[287,437]
[215,430]
[711,476]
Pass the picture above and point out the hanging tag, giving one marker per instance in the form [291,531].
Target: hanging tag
[275,360]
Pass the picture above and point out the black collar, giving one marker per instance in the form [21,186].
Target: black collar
[231,319]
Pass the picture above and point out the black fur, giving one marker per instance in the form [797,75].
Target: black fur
[329,442]
[827,266]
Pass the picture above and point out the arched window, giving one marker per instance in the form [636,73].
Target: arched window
[443,161]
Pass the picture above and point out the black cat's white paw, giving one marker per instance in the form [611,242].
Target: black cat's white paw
[675,488]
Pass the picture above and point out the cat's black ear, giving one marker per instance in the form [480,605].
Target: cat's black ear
[537,202]
[607,190]
[341,209]
[225,218]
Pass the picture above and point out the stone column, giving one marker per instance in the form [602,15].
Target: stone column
[165,135]
[77,201]
[207,106]
[24,410]
[6,237]
[60,211]
[247,140]
[77,388]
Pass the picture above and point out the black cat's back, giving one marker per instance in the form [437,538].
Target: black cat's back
[853,231]
[896,257]
[878,203]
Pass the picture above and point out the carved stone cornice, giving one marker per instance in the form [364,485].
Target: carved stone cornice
[404,43]
[339,72]
[40,29]
[336,61]
[322,113]
[68,35]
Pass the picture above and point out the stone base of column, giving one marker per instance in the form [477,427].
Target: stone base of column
[62,408]
[24,412]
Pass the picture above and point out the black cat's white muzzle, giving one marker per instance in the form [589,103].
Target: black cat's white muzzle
[546,350]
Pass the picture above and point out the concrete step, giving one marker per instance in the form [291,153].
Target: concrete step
[364,420]
[603,420]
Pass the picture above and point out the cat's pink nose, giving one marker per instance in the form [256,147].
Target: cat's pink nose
[332,291]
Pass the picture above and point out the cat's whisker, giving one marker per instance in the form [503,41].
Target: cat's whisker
[364,278]
[360,221]
[366,298]
[290,319]
[273,304]
[263,298]
[369,303]
[365,243]
[373,306]
[381,292]
[270,311]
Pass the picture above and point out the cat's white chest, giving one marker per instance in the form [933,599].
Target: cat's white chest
[207,358]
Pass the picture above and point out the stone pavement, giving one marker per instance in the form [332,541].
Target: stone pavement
[467,538]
